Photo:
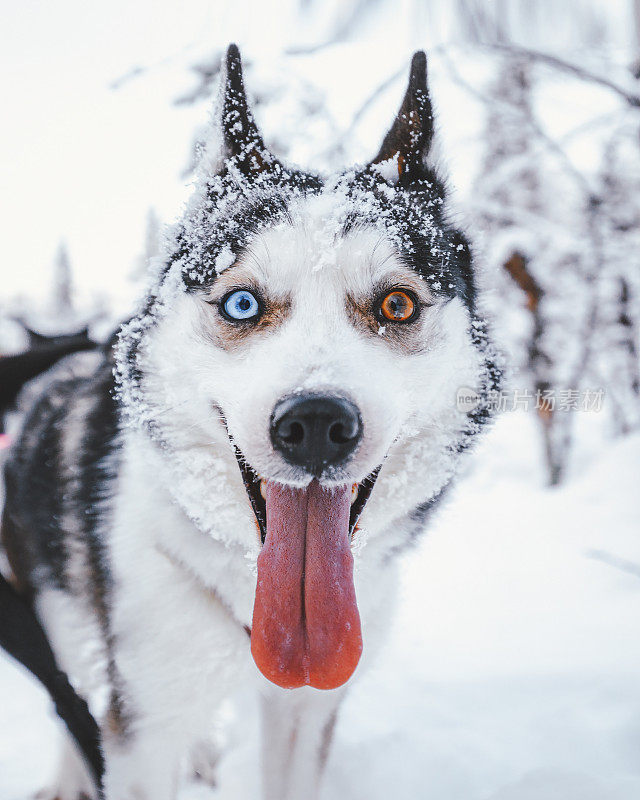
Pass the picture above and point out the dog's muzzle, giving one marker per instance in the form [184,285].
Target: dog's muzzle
[316,431]
[306,628]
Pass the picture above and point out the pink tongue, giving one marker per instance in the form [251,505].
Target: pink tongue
[306,626]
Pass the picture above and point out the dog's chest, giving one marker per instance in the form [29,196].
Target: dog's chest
[152,536]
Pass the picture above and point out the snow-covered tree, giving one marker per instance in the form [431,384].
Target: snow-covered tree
[62,288]
[533,214]
[618,351]
[152,245]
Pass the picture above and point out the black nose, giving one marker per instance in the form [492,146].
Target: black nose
[315,431]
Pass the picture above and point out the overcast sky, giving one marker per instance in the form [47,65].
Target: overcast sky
[83,162]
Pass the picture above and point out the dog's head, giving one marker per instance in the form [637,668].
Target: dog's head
[317,332]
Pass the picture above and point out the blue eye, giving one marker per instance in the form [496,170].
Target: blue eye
[240,305]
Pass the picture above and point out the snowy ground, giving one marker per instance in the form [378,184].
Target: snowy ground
[512,670]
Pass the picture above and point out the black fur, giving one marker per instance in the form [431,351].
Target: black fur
[411,206]
[44,352]
[38,470]
[21,635]
[246,150]
[43,489]
[43,340]
[409,138]
[413,217]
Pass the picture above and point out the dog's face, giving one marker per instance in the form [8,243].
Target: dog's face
[317,333]
[362,333]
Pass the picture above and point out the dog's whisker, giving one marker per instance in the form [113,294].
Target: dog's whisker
[170,408]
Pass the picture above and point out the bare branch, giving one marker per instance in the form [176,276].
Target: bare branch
[623,564]
[565,66]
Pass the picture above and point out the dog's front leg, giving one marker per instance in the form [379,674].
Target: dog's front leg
[297,729]
[142,766]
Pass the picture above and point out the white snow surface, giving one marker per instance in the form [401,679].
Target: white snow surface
[511,670]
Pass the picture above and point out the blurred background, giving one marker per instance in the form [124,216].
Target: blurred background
[511,673]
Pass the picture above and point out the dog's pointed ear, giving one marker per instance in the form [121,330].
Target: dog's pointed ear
[242,140]
[409,138]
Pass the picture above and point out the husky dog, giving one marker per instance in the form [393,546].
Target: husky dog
[218,499]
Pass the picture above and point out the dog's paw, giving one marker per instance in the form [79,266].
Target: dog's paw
[72,781]
[70,790]
[52,793]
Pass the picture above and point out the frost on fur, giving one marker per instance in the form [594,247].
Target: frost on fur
[243,196]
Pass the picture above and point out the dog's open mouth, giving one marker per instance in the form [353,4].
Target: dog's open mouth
[306,625]
[256,490]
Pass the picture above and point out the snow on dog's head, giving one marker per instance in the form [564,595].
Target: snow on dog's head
[315,334]
[315,329]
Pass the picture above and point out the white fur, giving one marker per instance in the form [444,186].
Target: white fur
[178,618]
[74,635]
[183,540]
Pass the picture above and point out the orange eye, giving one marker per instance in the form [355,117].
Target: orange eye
[398,306]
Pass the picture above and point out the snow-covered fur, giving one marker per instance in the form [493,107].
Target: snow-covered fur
[127,516]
